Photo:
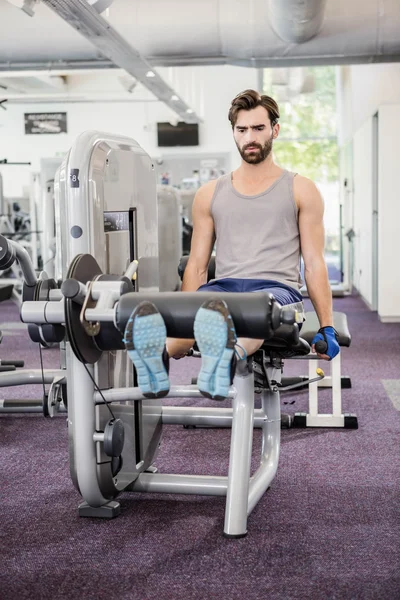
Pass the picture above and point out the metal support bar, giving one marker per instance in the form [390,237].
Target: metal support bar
[180,484]
[55,295]
[125,394]
[312,389]
[30,377]
[240,457]
[16,405]
[203,416]
[82,425]
[41,312]
[271,435]
[336,386]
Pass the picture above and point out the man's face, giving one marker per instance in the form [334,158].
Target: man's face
[253,134]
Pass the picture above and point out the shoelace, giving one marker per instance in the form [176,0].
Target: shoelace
[237,352]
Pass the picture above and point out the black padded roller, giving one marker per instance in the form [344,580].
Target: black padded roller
[252,313]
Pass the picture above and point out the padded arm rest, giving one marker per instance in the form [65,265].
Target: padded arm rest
[255,314]
[311,326]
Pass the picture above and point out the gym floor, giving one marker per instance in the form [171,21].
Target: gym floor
[328,528]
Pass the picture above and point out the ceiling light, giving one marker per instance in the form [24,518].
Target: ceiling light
[189,111]
[150,74]
[174,98]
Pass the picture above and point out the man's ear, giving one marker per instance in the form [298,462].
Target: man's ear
[275,131]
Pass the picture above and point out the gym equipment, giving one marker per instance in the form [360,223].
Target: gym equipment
[309,328]
[43,288]
[335,381]
[48,227]
[107,196]
[169,236]
[19,225]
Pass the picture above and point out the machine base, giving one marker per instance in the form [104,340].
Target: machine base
[235,537]
[108,511]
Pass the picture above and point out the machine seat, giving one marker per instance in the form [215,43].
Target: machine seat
[287,342]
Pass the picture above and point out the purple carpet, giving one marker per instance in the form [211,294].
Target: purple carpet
[329,527]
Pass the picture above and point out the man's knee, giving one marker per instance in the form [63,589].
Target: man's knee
[249,345]
[178,347]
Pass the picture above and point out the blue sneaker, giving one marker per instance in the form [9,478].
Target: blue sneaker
[144,338]
[216,337]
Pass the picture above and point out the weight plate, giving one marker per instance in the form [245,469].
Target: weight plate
[83,268]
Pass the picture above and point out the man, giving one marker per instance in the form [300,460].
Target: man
[261,218]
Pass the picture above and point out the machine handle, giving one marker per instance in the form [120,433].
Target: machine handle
[7,253]
[321,347]
[12,363]
[10,252]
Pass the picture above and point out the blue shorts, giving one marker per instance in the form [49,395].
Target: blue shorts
[282,293]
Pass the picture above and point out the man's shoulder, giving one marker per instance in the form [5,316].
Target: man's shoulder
[305,191]
[303,185]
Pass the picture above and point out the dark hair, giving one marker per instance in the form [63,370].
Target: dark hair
[250,99]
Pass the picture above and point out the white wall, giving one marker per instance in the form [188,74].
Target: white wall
[363,210]
[389,213]
[136,119]
[364,90]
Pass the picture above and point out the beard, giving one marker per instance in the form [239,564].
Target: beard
[257,156]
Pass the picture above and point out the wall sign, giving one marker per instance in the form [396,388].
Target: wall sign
[37,123]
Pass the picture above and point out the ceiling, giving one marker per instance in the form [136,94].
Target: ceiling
[45,57]
[177,32]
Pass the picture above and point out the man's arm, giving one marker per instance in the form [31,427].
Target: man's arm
[203,239]
[312,240]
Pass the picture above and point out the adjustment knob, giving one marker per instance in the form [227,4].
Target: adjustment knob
[288,316]
[70,288]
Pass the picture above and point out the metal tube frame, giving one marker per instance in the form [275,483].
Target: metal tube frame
[242,491]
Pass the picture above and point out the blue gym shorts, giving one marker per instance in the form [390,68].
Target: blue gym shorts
[282,293]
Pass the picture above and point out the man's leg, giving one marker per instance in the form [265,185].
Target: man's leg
[144,337]
[178,347]
[247,346]
[213,337]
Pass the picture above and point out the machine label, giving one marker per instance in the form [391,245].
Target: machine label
[116,221]
[39,123]
[74,178]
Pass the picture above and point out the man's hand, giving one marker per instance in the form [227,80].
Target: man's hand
[330,336]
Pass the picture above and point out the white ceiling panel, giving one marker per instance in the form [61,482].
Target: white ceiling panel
[178,32]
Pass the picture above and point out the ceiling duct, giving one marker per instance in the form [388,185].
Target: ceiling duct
[100,5]
[296,21]
[86,20]
[289,83]
[248,33]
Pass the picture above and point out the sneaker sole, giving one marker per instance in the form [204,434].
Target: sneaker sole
[144,338]
[215,336]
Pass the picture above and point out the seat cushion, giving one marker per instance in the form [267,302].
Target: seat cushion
[286,342]
[311,326]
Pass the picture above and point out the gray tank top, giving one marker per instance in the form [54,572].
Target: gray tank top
[257,237]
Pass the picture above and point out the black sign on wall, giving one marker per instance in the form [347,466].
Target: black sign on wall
[38,123]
